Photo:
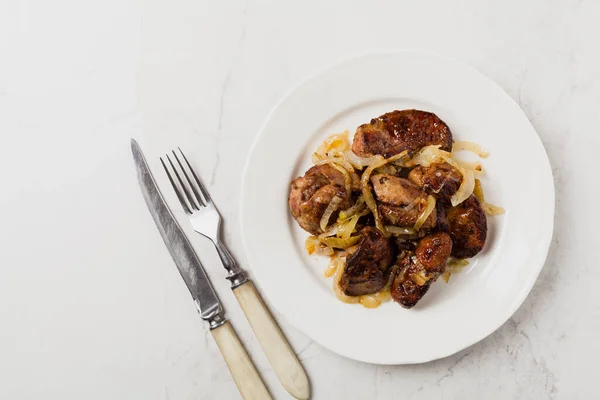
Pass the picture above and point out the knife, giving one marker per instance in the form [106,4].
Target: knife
[240,366]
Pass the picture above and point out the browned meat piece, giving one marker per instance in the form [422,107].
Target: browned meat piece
[440,180]
[366,269]
[396,131]
[433,252]
[395,191]
[468,228]
[400,201]
[441,224]
[415,273]
[404,290]
[406,217]
[311,194]
[403,245]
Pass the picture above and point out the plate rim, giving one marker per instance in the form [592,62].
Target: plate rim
[545,241]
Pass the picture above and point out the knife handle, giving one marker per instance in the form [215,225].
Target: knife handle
[278,350]
[240,366]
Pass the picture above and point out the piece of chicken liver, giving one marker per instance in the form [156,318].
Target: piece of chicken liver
[311,194]
[468,228]
[366,269]
[396,131]
[429,260]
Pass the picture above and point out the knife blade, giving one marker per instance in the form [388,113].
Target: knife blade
[240,365]
[181,250]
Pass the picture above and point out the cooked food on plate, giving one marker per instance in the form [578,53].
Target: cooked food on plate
[398,131]
[395,210]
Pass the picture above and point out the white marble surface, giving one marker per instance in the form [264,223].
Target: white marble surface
[91,306]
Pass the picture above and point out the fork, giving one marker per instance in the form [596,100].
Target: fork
[206,220]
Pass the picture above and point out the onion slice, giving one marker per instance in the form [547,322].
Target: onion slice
[339,293]
[426,213]
[491,209]
[384,294]
[348,226]
[356,208]
[466,186]
[399,230]
[333,160]
[339,157]
[339,243]
[387,169]
[419,278]
[340,227]
[446,276]
[412,204]
[336,141]
[366,190]
[368,196]
[332,231]
[369,301]
[456,265]
[332,266]
[313,245]
[427,156]
[331,207]
[488,209]
[360,162]
[324,251]
[473,166]
[347,177]
[465,190]
[472,147]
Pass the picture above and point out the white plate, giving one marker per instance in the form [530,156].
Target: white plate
[451,316]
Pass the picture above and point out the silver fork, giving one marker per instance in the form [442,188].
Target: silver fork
[203,214]
[206,220]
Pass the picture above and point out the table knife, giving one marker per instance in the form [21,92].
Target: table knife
[244,373]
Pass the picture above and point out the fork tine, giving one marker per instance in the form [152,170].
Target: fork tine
[184,204]
[198,196]
[183,186]
[207,198]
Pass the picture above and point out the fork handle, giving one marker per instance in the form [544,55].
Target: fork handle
[235,274]
[279,352]
[240,366]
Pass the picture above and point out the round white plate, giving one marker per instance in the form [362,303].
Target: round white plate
[451,316]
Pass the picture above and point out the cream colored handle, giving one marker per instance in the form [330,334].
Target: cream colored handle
[240,366]
[278,350]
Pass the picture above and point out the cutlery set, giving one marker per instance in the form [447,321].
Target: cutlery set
[206,220]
